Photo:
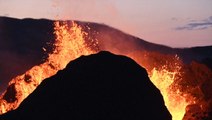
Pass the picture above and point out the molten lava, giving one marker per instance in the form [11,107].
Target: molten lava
[69,44]
[164,77]
[175,101]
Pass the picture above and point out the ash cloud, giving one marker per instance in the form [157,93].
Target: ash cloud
[197,25]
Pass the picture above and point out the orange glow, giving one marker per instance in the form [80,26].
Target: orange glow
[175,101]
[69,45]
[164,78]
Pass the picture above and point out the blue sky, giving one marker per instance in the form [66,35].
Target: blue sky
[176,23]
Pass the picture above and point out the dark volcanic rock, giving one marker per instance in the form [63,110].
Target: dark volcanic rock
[102,86]
[10,95]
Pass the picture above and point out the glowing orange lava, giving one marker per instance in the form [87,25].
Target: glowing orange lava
[175,101]
[163,78]
[69,45]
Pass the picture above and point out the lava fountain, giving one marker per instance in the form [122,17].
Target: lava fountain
[164,77]
[175,100]
[70,44]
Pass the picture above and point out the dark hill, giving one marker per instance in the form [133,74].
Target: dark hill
[102,86]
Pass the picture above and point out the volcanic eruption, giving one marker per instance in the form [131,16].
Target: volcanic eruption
[167,71]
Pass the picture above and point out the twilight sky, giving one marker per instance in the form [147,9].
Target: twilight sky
[176,23]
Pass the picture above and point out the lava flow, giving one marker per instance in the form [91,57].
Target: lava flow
[70,44]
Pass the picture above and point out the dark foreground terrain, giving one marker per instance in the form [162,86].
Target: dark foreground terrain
[102,86]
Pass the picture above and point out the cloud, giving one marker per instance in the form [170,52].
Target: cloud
[197,25]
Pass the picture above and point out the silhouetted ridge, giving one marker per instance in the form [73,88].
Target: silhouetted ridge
[102,86]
